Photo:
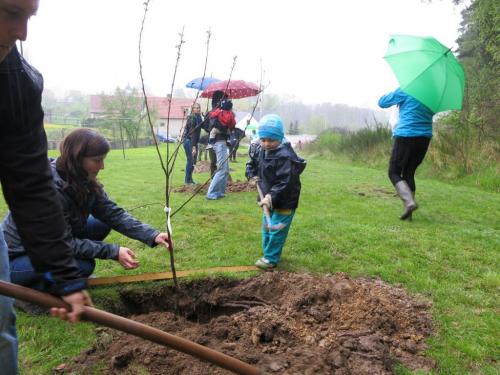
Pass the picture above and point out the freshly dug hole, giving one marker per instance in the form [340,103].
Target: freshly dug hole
[283,323]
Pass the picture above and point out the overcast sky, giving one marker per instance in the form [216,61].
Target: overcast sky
[316,50]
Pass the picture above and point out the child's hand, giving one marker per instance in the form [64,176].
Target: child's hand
[253,181]
[266,201]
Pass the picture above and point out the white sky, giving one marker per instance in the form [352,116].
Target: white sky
[315,50]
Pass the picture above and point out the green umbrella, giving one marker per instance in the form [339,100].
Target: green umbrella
[427,70]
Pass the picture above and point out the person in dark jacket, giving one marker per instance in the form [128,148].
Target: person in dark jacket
[235,138]
[412,135]
[89,213]
[202,148]
[27,183]
[275,166]
[191,137]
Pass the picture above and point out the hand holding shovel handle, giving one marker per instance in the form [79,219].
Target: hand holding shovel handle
[267,213]
[265,208]
[132,327]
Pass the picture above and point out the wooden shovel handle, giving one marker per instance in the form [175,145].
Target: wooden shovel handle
[132,327]
[264,207]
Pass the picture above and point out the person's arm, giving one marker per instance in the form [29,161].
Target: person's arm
[31,197]
[120,220]
[393,98]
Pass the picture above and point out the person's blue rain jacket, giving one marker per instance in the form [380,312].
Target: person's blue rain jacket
[415,119]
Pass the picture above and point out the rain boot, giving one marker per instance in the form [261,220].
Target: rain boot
[410,217]
[406,196]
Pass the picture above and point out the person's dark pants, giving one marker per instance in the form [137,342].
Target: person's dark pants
[188,177]
[407,154]
[195,154]
[202,151]
[234,149]
[213,161]
[23,273]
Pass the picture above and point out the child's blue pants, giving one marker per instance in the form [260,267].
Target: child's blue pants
[274,240]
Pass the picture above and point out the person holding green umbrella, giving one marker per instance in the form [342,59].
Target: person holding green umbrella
[431,80]
[412,135]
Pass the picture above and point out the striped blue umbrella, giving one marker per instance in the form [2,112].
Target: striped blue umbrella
[201,83]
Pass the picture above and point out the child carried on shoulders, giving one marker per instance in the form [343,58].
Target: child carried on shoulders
[221,120]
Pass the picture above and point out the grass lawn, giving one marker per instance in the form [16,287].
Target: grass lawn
[347,222]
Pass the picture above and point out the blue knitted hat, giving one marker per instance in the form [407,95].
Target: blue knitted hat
[271,126]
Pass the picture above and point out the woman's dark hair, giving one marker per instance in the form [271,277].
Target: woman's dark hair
[78,144]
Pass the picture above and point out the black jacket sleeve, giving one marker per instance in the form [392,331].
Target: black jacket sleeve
[84,248]
[26,178]
[120,220]
[252,163]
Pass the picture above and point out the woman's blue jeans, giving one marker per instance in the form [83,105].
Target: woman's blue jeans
[8,335]
[188,148]
[23,273]
[218,184]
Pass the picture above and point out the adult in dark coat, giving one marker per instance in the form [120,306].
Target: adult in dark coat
[236,136]
[27,183]
[88,211]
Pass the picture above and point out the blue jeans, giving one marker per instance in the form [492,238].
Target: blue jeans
[188,148]
[218,184]
[274,240]
[23,273]
[8,335]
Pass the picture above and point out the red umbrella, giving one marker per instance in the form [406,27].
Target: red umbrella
[235,89]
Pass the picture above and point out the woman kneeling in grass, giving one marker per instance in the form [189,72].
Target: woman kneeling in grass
[89,213]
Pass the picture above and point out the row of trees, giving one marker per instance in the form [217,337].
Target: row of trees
[469,141]
[479,52]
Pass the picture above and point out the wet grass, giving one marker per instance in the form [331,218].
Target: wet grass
[347,222]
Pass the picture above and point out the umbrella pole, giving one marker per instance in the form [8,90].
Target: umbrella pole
[132,327]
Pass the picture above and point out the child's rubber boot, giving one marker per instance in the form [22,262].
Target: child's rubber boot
[265,264]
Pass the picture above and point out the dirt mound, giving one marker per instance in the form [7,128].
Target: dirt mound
[282,323]
[232,187]
[373,191]
[202,166]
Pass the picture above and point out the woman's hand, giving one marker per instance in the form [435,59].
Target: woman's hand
[162,238]
[126,258]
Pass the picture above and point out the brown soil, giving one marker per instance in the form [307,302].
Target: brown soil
[280,322]
[232,187]
[202,166]
[370,191]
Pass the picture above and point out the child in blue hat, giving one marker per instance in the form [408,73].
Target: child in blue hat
[275,166]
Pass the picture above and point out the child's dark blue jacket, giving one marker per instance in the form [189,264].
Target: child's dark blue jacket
[278,171]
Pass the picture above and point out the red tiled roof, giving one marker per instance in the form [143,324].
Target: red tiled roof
[177,108]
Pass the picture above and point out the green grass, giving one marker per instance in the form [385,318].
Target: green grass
[347,222]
